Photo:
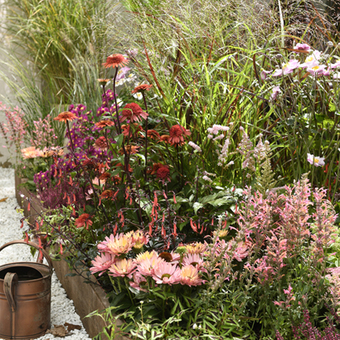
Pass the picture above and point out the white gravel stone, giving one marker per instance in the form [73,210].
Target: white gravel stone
[62,308]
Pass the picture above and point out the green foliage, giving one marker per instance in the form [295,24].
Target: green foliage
[54,51]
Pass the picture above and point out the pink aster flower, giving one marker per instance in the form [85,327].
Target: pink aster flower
[101,263]
[166,273]
[122,267]
[189,276]
[287,68]
[316,70]
[302,47]
[312,60]
[317,161]
[336,64]
[276,90]
[264,74]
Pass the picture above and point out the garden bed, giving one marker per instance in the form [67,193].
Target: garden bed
[73,284]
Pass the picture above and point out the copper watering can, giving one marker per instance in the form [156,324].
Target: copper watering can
[25,297]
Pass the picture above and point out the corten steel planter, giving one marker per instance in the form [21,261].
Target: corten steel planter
[86,297]
[25,297]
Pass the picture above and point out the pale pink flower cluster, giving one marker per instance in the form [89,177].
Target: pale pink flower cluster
[282,223]
[43,134]
[14,129]
[334,279]
[195,146]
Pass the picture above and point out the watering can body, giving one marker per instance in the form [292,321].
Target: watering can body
[25,298]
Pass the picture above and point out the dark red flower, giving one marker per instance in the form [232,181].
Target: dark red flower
[163,173]
[130,149]
[153,134]
[115,60]
[128,130]
[83,220]
[101,143]
[104,123]
[107,194]
[165,138]
[141,88]
[133,112]
[65,116]
[177,134]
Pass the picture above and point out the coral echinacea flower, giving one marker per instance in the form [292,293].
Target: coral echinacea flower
[115,60]
[65,116]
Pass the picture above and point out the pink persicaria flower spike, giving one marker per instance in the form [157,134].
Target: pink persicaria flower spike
[166,273]
[101,263]
[314,160]
[189,276]
[133,112]
[302,47]
[122,268]
[287,68]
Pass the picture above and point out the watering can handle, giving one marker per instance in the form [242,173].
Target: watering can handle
[47,257]
[11,279]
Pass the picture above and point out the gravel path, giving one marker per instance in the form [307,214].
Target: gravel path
[62,309]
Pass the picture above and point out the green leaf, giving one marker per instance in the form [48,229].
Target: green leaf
[197,206]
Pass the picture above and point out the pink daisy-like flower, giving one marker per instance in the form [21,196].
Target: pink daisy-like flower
[166,273]
[316,69]
[116,245]
[195,260]
[122,268]
[189,276]
[287,68]
[302,47]
[138,282]
[314,160]
[133,112]
[276,90]
[31,152]
[312,60]
[101,263]
[147,266]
